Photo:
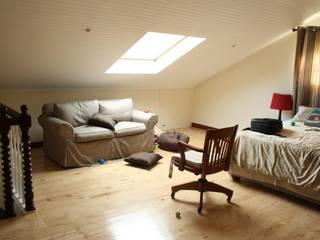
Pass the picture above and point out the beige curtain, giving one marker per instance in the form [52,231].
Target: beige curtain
[307,68]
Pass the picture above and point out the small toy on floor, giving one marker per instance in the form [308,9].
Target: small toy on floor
[101,161]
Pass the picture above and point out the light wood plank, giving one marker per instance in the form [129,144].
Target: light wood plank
[117,201]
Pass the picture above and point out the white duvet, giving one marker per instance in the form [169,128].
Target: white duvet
[293,159]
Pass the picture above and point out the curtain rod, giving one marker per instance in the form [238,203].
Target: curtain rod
[301,27]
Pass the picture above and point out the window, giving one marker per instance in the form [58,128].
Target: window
[154,52]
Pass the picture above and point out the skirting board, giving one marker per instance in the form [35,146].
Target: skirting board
[201,126]
[36,144]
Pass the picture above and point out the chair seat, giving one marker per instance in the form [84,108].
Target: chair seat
[193,160]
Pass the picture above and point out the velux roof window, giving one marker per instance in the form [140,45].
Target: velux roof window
[154,52]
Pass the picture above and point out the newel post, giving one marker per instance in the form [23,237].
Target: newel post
[25,125]
[6,164]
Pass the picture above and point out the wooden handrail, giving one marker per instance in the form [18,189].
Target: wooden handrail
[11,114]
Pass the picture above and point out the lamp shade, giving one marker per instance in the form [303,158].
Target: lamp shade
[281,101]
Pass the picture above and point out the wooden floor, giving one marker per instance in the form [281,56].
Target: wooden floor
[117,201]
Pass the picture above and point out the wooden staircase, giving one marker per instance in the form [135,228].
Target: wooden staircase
[16,191]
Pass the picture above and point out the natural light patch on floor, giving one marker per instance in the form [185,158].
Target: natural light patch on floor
[154,52]
[138,225]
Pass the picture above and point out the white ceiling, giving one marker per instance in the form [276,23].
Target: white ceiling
[44,44]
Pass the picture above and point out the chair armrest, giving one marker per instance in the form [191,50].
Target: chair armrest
[184,146]
[149,119]
[60,127]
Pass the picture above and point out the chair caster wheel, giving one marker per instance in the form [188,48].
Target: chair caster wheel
[199,209]
[172,195]
[235,178]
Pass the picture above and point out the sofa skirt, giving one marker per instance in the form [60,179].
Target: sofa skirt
[70,154]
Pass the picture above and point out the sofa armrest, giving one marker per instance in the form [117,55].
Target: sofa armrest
[60,127]
[149,119]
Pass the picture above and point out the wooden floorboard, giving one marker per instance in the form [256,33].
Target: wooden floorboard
[117,201]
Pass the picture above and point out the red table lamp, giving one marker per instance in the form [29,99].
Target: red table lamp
[281,102]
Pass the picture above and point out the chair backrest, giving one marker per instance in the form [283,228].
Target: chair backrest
[217,149]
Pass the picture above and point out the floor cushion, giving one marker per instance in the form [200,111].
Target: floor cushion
[169,140]
[143,159]
[125,128]
[88,133]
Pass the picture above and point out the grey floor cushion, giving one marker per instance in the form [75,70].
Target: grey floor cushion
[169,140]
[143,159]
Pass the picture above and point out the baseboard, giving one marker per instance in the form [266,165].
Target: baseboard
[201,126]
[36,144]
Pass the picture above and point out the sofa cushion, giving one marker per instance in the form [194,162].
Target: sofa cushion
[143,159]
[119,109]
[101,120]
[76,113]
[129,128]
[87,133]
[169,140]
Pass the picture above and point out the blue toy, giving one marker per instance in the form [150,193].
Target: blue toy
[101,161]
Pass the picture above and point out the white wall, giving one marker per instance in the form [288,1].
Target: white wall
[244,91]
[174,106]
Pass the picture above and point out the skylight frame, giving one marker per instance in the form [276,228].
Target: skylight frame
[181,45]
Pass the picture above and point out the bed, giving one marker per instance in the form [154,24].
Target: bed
[290,163]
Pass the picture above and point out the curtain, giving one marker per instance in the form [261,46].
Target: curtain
[307,68]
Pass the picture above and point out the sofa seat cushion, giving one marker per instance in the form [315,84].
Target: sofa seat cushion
[87,133]
[129,128]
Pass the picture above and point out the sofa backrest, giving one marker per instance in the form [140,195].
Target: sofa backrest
[76,113]
[118,109]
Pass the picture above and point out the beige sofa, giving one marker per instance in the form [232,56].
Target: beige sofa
[69,141]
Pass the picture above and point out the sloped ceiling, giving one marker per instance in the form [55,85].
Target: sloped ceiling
[44,44]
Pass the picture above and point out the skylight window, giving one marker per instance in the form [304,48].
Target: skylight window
[154,52]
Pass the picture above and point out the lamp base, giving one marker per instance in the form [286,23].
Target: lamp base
[279,117]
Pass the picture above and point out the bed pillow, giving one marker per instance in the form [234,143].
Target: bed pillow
[303,114]
[102,120]
[314,119]
[143,159]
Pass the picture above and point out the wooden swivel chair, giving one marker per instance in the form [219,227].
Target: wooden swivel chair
[214,157]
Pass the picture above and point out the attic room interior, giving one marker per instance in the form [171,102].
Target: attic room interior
[139,119]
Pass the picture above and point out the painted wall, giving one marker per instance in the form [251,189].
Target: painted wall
[244,91]
[174,106]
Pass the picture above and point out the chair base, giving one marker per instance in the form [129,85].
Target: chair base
[202,185]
